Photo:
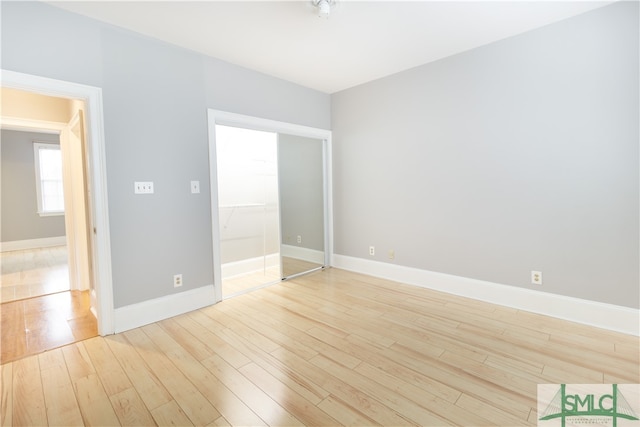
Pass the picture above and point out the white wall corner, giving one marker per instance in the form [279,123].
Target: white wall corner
[601,315]
[140,314]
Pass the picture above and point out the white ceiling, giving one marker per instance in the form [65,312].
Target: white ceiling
[360,42]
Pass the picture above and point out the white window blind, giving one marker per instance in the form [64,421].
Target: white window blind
[48,162]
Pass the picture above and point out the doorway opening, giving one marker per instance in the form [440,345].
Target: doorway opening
[86,225]
[34,258]
[270,201]
[248,208]
[45,260]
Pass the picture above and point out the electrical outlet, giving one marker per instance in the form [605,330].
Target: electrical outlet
[392,254]
[536,278]
[299,239]
[372,250]
[177,280]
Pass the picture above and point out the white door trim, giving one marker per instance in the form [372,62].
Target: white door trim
[92,96]
[217,117]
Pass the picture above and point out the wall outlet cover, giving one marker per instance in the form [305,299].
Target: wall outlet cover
[536,277]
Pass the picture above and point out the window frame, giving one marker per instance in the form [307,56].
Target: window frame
[37,146]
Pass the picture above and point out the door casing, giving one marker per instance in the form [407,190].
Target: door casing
[217,117]
[97,179]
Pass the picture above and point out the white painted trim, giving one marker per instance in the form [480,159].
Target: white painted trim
[256,123]
[93,305]
[215,209]
[328,194]
[37,146]
[31,125]
[150,311]
[305,254]
[92,96]
[44,242]
[601,315]
[251,265]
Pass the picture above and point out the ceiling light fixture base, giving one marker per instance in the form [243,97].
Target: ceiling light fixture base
[324,7]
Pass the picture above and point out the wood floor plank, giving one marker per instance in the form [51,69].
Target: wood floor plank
[13,338]
[263,405]
[500,361]
[143,379]
[107,366]
[421,397]
[359,402]
[182,336]
[288,398]
[411,412]
[201,327]
[170,414]
[59,396]
[220,422]
[78,361]
[231,323]
[130,409]
[6,394]
[199,410]
[258,323]
[226,403]
[628,351]
[489,412]
[94,403]
[412,376]
[282,370]
[344,413]
[29,408]
[320,346]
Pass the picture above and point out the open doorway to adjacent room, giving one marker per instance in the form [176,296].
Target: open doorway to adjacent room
[46,252]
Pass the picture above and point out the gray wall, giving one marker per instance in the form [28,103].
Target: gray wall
[155,101]
[300,164]
[520,155]
[19,204]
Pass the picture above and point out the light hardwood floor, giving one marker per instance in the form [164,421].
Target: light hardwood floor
[232,286]
[330,348]
[33,272]
[33,325]
[245,282]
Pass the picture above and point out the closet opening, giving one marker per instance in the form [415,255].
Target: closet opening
[270,204]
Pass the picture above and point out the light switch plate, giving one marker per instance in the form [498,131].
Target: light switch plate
[195,187]
[143,187]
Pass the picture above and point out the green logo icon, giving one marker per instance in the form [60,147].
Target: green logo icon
[583,408]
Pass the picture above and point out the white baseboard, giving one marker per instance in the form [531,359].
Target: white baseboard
[305,254]
[45,242]
[251,265]
[136,315]
[601,315]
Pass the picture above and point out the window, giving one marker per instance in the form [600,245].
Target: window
[48,162]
